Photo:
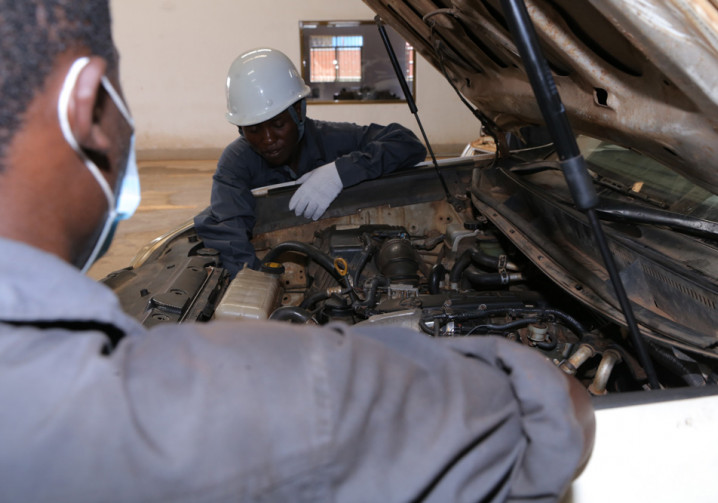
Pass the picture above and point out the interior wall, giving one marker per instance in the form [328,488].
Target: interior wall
[174,56]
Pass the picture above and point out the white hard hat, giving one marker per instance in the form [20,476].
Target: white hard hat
[262,83]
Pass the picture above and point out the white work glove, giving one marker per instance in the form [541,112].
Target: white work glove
[319,188]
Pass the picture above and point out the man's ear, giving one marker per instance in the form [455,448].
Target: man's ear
[87,106]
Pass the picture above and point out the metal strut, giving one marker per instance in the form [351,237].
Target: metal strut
[412,107]
[571,161]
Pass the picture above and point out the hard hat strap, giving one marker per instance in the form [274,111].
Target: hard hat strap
[299,122]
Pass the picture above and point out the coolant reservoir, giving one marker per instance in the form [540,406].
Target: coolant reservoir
[251,295]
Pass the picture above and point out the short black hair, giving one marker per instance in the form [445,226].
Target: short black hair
[33,33]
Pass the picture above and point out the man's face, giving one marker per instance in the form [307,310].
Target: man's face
[274,139]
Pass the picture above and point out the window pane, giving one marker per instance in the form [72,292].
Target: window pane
[323,65]
[349,65]
[321,41]
[409,59]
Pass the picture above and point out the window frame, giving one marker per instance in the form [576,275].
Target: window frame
[378,82]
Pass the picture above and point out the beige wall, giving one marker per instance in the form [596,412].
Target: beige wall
[175,55]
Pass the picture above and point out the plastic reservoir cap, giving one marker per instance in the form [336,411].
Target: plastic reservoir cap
[272,268]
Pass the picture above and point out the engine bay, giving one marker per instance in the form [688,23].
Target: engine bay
[395,251]
[464,282]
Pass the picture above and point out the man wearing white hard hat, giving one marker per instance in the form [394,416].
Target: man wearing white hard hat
[266,100]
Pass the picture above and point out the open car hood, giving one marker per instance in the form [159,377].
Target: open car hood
[636,73]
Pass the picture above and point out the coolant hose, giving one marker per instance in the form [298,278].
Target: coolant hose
[476,256]
[435,278]
[292,314]
[459,267]
[490,280]
[374,284]
[309,302]
[314,253]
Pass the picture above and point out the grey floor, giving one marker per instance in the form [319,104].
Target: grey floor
[172,193]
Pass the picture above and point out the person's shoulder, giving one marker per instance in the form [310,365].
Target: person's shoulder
[238,157]
[237,148]
[327,129]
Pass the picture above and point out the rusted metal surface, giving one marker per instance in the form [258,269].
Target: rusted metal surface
[419,219]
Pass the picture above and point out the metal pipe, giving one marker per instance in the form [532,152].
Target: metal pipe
[603,373]
[578,358]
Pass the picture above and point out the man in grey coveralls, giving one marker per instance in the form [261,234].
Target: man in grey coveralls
[97,408]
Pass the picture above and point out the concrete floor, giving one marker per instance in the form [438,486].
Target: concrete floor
[172,193]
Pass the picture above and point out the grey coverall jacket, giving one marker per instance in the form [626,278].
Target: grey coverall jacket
[360,153]
[261,411]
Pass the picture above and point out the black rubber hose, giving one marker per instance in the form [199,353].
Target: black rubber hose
[437,274]
[459,266]
[676,366]
[548,345]
[308,302]
[433,331]
[573,323]
[479,257]
[368,250]
[480,279]
[485,279]
[503,327]
[374,284]
[314,253]
[476,256]
[292,314]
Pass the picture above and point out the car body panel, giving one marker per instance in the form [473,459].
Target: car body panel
[659,450]
[631,72]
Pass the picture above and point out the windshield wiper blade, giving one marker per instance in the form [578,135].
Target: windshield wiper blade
[626,212]
[625,189]
[530,168]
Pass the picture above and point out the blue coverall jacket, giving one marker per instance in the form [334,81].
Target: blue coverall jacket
[360,153]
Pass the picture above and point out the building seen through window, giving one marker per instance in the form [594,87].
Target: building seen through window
[335,59]
[346,61]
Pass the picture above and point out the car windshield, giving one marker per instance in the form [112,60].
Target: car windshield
[647,179]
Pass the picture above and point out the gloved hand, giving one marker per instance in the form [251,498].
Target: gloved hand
[319,188]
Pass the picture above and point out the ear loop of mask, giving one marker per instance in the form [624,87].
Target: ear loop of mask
[129,190]
[62,114]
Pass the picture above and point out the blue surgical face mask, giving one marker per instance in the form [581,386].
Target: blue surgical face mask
[121,205]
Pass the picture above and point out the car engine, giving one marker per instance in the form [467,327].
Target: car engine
[465,282]
[396,251]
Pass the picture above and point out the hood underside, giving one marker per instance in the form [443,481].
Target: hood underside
[642,74]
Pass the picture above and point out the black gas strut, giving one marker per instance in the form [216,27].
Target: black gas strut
[412,106]
[571,161]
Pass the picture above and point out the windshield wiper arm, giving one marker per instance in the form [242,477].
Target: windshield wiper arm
[633,213]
